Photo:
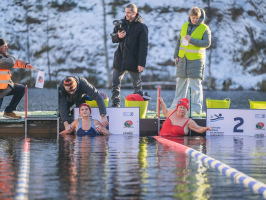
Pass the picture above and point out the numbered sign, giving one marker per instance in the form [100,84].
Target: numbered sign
[236,122]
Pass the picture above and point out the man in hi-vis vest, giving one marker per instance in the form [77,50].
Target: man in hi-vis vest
[7,87]
[194,38]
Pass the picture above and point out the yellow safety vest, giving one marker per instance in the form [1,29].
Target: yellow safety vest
[192,52]
[5,77]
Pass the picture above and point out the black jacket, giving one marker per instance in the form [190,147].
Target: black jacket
[83,88]
[133,48]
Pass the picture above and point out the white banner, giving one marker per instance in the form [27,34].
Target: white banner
[236,122]
[121,120]
[40,79]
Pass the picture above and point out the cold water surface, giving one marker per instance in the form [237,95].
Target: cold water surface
[128,167]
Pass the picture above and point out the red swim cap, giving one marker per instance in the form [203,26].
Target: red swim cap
[183,102]
[84,104]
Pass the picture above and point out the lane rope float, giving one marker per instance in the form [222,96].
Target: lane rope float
[249,182]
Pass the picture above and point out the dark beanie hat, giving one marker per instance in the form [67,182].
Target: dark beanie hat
[70,83]
[2,41]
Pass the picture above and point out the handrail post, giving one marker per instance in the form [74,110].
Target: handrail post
[26,109]
[57,100]
[189,102]
[26,101]
[158,101]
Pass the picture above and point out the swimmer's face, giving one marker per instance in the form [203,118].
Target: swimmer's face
[84,111]
[182,110]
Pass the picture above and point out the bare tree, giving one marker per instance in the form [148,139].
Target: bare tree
[105,46]
[47,42]
[209,84]
[28,38]
[253,42]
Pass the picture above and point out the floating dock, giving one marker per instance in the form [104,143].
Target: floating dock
[47,124]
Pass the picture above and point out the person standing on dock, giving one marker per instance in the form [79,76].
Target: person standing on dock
[7,87]
[132,35]
[189,55]
[75,90]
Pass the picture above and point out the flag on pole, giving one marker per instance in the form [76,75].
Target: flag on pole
[40,79]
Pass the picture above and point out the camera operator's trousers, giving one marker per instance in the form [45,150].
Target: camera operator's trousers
[117,78]
[182,91]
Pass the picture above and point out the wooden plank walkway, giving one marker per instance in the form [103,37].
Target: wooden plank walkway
[39,123]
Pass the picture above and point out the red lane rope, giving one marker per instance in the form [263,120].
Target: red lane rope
[171,143]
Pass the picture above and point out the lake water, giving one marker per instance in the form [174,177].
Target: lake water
[125,167]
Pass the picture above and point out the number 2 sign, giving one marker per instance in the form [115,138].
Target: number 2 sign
[241,122]
[236,122]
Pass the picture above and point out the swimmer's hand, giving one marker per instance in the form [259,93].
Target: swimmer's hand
[98,128]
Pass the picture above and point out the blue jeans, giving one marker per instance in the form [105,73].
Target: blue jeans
[18,92]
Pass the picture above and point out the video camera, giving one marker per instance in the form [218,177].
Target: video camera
[118,23]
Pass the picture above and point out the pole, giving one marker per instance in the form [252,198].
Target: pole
[158,101]
[26,101]
[57,100]
[189,102]
[26,109]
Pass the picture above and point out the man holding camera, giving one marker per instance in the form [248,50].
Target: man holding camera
[132,35]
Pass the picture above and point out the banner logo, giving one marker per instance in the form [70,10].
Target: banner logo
[216,118]
[40,79]
[260,126]
[128,114]
[259,116]
[128,132]
[128,124]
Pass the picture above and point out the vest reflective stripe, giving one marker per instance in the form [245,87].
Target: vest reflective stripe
[192,52]
[6,72]
[5,77]
[4,81]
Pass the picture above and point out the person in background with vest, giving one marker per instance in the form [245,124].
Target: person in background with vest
[7,87]
[189,55]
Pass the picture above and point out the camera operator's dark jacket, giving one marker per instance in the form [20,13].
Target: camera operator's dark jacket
[83,88]
[133,48]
